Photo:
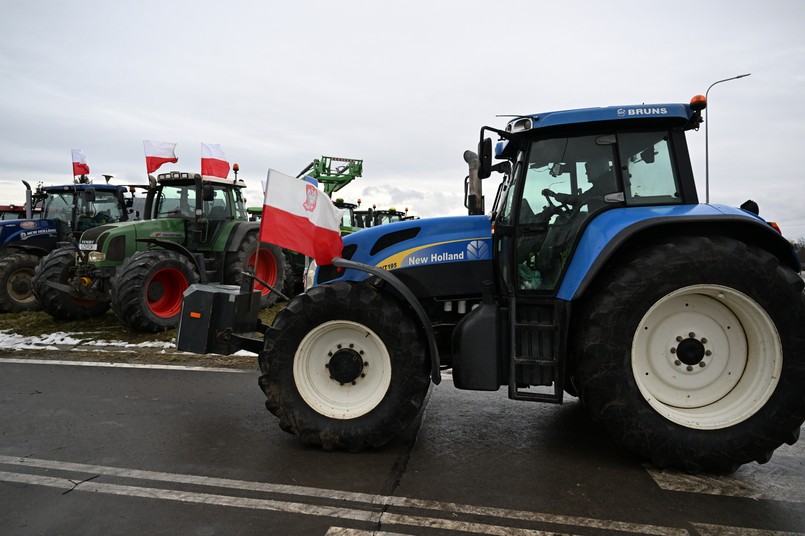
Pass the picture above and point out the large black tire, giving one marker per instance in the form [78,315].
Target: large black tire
[344,367]
[16,282]
[690,353]
[271,267]
[148,288]
[58,266]
[294,273]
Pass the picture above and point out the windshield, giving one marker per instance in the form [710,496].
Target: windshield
[58,206]
[388,217]
[176,201]
[105,205]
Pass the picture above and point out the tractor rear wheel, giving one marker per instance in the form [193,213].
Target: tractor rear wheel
[294,273]
[691,354]
[59,267]
[16,282]
[344,367]
[271,267]
[148,287]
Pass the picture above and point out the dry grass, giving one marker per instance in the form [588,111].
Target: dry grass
[108,328]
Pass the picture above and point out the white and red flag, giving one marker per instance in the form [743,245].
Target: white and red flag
[158,153]
[213,161]
[300,217]
[80,166]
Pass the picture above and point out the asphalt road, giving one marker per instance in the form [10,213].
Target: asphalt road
[130,450]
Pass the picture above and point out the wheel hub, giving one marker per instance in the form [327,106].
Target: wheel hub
[690,351]
[345,365]
[21,285]
[155,290]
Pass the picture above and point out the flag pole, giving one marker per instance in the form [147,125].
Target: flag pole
[244,286]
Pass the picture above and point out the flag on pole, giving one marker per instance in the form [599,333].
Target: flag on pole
[80,166]
[213,161]
[158,153]
[300,217]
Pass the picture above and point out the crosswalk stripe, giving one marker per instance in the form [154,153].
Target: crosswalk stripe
[747,484]
[375,504]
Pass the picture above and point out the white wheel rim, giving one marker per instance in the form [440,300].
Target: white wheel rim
[328,376]
[26,275]
[706,357]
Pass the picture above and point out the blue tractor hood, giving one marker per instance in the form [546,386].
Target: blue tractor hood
[425,246]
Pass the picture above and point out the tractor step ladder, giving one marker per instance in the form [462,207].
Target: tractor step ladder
[535,358]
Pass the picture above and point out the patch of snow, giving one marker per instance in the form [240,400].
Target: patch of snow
[52,341]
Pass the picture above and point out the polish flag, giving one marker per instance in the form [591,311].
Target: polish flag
[300,217]
[158,153]
[80,166]
[213,161]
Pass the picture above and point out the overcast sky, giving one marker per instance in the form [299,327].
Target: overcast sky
[405,86]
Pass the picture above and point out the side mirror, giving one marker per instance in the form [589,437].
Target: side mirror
[485,158]
[207,193]
[648,155]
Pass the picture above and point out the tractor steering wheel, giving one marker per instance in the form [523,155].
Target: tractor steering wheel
[565,201]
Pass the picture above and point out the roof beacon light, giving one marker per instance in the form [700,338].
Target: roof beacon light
[698,102]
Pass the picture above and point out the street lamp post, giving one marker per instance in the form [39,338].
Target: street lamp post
[707,137]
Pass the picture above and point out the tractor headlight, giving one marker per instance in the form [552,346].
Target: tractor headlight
[97,256]
[310,273]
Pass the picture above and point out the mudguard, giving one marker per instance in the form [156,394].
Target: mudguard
[607,233]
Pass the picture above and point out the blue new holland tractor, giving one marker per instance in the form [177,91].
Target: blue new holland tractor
[55,216]
[594,273]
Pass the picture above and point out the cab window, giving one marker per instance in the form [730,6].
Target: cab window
[566,181]
[649,176]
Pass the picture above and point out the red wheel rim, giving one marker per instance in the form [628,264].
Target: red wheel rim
[266,269]
[164,291]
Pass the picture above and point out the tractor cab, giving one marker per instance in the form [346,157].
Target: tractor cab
[79,207]
[572,181]
[204,203]
[389,216]
[349,223]
[567,168]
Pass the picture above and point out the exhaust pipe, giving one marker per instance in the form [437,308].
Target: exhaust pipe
[29,212]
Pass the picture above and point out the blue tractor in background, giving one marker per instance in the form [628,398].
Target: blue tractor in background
[62,214]
[595,273]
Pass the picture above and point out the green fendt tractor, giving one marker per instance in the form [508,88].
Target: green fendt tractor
[195,229]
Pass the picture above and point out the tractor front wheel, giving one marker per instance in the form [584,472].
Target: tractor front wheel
[16,282]
[691,354]
[147,289]
[344,367]
[59,266]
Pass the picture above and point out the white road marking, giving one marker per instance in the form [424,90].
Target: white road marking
[124,365]
[750,482]
[719,530]
[771,487]
[373,512]
[341,531]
